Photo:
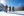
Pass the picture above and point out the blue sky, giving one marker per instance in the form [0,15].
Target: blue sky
[14,3]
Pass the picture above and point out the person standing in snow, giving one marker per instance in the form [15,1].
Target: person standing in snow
[13,8]
[6,8]
[9,8]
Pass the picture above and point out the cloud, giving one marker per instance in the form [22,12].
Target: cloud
[19,4]
[2,1]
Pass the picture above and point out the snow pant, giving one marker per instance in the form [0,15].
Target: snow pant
[9,10]
[13,10]
[6,10]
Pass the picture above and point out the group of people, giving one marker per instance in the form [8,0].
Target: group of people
[9,8]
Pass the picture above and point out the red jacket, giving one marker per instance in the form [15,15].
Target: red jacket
[6,6]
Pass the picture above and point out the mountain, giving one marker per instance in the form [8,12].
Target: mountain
[20,8]
[1,6]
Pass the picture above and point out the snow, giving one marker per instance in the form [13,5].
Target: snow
[5,14]
[2,13]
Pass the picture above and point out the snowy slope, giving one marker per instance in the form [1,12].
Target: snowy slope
[5,14]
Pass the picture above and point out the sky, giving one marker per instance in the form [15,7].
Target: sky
[11,3]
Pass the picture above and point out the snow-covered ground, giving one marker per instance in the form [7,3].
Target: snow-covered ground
[2,13]
[5,14]
[15,12]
